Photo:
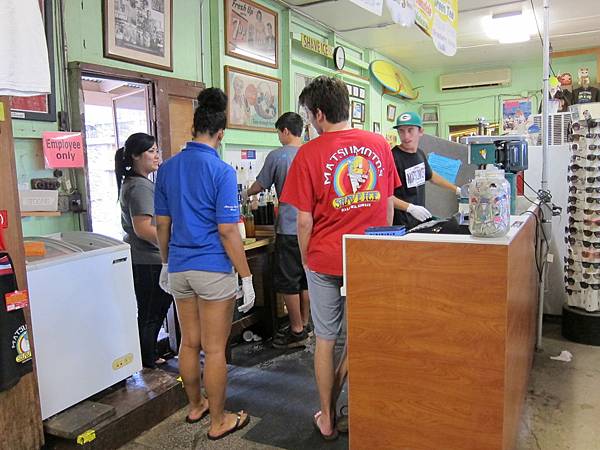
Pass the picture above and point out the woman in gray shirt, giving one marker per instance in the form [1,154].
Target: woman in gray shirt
[133,164]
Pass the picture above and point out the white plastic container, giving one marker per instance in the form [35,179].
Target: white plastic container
[489,204]
[38,200]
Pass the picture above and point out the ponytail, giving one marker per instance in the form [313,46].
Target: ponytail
[135,145]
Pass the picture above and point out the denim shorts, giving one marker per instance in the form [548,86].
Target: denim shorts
[210,286]
[326,304]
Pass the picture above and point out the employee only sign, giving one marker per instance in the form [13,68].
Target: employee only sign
[62,149]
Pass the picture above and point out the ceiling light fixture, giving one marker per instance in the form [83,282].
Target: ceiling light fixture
[509,27]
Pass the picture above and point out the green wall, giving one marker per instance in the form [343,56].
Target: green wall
[462,107]
[83,28]
[198,55]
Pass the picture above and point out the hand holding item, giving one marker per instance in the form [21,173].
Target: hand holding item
[418,212]
[249,294]
[163,280]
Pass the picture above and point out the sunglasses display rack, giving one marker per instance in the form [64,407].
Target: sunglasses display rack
[582,266]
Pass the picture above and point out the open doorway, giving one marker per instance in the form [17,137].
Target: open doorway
[458,131]
[114,109]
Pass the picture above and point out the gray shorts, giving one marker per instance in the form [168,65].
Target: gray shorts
[206,285]
[326,304]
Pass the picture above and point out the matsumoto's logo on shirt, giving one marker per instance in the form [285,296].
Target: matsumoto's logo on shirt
[354,172]
[20,344]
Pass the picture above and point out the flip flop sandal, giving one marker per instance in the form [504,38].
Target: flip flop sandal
[202,416]
[239,424]
[327,437]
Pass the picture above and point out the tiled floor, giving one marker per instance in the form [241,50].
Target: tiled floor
[562,410]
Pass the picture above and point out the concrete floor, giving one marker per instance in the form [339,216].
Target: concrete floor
[562,411]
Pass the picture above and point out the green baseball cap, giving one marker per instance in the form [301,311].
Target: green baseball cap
[409,118]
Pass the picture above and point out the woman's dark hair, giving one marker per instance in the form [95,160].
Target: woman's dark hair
[210,116]
[292,121]
[135,145]
[328,94]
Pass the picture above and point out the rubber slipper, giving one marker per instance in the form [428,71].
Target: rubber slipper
[238,426]
[202,416]
[327,437]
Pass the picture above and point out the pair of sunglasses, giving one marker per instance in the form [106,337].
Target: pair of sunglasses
[587,233]
[580,179]
[592,200]
[593,147]
[587,222]
[586,244]
[583,284]
[585,264]
[574,167]
[587,212]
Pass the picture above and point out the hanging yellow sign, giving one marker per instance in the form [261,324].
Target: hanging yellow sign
[439,19]
[315,45]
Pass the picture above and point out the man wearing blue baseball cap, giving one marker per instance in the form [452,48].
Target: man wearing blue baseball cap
[414,171]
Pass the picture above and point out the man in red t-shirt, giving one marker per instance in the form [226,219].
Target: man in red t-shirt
[341,182]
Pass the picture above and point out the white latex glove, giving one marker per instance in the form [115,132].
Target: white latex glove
[418,212]
[458,191]
[249,295]
[163,280]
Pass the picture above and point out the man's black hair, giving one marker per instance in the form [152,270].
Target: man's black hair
[292,121]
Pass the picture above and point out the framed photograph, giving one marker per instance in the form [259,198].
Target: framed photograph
[516,115]
[361,93]
[39,107]
[251,32]
[349,86]
[254,100]
[391,112]
[376,127]
[355,91]
[358,125]
[358,111]
[139,32]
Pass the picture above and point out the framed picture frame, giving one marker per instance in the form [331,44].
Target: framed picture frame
[350,90]
[362,93]
[358,111]
[358,125]
[39,107]
[139,32]
[355,91]
[251,32]
[376,127]
[516,115]
[391,112]
[254,100]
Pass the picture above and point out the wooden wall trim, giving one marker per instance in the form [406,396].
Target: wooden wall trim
[20,415]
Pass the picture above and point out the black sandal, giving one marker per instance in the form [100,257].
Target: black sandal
[238,426]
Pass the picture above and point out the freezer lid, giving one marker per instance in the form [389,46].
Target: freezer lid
[88,241]
[55,249]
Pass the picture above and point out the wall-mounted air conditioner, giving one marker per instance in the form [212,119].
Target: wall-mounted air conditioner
[467,80]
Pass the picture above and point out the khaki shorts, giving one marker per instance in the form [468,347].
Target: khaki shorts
[210,286]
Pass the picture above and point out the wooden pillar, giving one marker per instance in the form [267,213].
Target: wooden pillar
[20,416]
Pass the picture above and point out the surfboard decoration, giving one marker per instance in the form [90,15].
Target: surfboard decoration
[392,79]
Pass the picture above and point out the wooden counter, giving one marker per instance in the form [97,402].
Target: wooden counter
[441,334]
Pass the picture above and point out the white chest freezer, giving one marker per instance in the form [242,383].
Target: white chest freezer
[84,317]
